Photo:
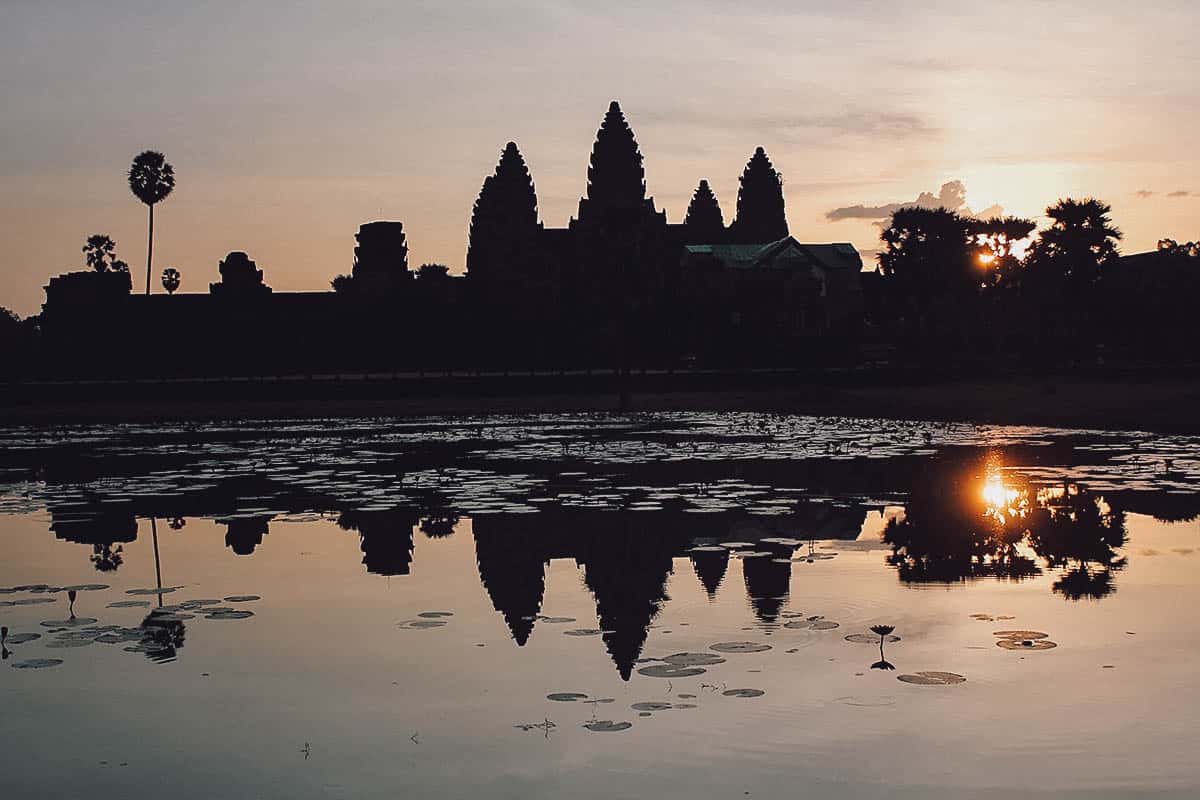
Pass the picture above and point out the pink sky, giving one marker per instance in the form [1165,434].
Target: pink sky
[289,124]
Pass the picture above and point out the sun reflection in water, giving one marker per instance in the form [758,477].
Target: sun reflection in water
[1003,502]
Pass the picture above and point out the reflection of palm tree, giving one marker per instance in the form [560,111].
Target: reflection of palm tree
[1074,524]
[106,558]
[157,563]
[1076,529]
[151,179]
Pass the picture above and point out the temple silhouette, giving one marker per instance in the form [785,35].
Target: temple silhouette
[618,285]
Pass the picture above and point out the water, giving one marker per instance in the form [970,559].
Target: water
[423,587]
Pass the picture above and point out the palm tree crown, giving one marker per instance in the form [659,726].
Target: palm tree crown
[151,178]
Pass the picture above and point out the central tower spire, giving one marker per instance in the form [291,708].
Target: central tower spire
[616,179]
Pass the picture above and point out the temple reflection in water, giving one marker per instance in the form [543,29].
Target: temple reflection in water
[962,519]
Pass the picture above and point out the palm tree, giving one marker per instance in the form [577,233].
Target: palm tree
[170,279]
[151,179]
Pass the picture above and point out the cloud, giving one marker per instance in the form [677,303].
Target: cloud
[1142,194]
[952,195]
[890,125]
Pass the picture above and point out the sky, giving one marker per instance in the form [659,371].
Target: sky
[291,123]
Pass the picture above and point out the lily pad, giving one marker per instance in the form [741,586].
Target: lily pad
[739,647]
[650,706]
[412,624]
[37,663]
[174,616]
[58,644]
[693,660]
[1026,644]
[670,671]
[30,601]
[229,615]
[566,697]
[164,590]
[556,620]
[1021,634]
[736,545]
[583,632]
[245,598]
[129,604]
[22,638]
[868,638]
[87,587]
[824,625]
[607,726]
[190,605]
[743,692]
[932,678]
[74,622]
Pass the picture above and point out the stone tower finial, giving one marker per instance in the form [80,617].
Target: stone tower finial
[760,208]
[616,179]
[504,218]
[704,220]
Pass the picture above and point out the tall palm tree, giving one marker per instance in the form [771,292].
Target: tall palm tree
[151,179]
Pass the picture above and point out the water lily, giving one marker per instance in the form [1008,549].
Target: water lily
[882,630]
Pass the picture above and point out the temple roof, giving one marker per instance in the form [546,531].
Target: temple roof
[836,256]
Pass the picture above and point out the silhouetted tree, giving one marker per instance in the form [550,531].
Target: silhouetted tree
[1068,255]
[433,272]
[170,279]
[929,262]
[504,220]
[341,283]
[616,178]
[760,210]
[100,252]
[704,221]
[1172,247]
[151,179]
[996,239]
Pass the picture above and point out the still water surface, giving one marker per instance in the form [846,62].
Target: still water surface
[598,607]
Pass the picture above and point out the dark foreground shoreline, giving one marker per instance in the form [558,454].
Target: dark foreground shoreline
[1112,401]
